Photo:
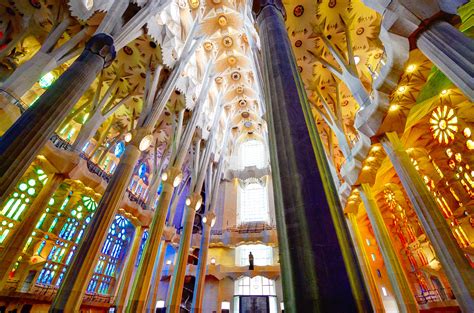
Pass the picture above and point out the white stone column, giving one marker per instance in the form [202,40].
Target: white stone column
[457,268]
[452,52]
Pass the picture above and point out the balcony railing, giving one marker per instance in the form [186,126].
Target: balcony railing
[97,298]
[61,143]
[47,292]
[94,168]
[434,295]
[136,199]
[246,228]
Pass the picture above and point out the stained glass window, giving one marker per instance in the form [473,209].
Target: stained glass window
[444,124]
[142,170]
[111,256]
[142,246]
[119,149]
[20,200]
[66,216]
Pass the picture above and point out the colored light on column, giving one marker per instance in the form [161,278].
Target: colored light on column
[47,80]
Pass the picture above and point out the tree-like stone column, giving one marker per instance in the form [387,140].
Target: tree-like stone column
[157,271]
[73,287]
[317,274]
[124,287]
[14,246]
[202,265]
[22,142]
[457,268]
[193,203]
[208,222]
[404,297]
[172,178]
[142,282]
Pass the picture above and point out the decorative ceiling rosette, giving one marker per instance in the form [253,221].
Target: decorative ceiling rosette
[211,6]
[238,92]
[298,14]
[232,61]
[329,13]
[221,23]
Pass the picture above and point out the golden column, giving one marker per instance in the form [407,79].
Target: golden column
[198,295]
[14,246]
[374,294]
[457,268]
[193,203]
[153,293]
[405,300]
[71,292]
[141,285]
[126,279]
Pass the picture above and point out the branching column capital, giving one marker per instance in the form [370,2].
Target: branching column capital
[259,5]
[171,178]
[103,46]
[194,201]
[209,218]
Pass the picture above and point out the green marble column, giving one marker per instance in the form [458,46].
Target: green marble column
[318,264]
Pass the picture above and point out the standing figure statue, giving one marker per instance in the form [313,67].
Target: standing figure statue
[250,261]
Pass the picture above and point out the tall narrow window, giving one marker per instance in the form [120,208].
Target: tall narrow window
[253,204]
[252,153]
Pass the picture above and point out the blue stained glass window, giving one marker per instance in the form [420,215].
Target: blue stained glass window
[142,246]
[112,255]
[41,247]
[142,170]
[119,149]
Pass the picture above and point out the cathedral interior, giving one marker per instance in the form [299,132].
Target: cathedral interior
[236,156]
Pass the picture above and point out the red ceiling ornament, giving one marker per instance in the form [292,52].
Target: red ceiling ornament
[36,4]
[298,10]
